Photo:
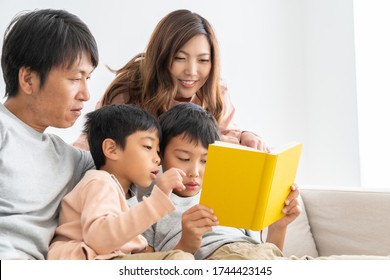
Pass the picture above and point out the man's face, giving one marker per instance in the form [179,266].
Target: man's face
[60,101]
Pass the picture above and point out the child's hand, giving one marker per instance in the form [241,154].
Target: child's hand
[171,179]
[195,222]
[292,209]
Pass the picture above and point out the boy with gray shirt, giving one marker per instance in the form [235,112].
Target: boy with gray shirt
[187,130]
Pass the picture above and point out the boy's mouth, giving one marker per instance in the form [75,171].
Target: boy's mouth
[191,186]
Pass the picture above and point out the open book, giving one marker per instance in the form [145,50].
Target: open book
[247,188]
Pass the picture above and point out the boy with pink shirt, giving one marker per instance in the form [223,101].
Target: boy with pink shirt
[95,221]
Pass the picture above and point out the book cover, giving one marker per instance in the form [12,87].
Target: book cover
[245,187]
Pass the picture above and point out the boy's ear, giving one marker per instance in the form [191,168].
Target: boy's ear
[110,149]
[27,79]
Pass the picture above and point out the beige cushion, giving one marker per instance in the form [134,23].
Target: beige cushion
[349,222]
[299,239]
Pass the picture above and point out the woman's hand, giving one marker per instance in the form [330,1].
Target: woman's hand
[252,140]
[229,139]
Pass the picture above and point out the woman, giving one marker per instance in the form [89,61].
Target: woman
[180,64]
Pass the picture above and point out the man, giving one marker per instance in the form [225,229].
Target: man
[47,58]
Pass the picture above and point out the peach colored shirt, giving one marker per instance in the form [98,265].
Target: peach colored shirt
[96,223]
[227,125]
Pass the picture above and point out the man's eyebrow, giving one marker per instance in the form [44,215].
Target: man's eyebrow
[81,71]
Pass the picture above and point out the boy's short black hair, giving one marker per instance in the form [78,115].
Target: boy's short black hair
[42,40]
[115,121]
[195,123]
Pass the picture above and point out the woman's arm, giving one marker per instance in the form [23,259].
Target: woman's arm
[230,132]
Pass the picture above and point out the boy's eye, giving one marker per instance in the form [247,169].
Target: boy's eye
[184,159]
[203,161]
[148,147]
[204,60]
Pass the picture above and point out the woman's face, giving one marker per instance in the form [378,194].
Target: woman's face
[191,67]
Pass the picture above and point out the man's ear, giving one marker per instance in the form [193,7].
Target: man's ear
[110,149]
[27,79]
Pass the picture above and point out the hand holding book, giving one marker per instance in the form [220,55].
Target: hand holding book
[247,188]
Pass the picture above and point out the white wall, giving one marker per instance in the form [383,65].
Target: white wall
[289,65]
[373,71]
[330,94]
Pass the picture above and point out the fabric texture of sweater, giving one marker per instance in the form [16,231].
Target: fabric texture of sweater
[36,171]
[96,222]
[166,233]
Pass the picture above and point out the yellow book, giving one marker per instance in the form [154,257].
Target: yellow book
[247,188]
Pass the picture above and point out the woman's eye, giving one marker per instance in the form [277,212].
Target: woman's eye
[148,147]
[179,58]
[184,159]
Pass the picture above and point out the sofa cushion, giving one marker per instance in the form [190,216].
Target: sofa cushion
[349,221]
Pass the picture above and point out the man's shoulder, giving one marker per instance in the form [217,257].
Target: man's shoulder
[61,144]
[76,156]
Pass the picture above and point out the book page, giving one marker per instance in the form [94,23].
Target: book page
[235,146]
[279,150]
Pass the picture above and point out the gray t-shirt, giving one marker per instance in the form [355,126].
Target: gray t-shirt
[166,233]
[36,171]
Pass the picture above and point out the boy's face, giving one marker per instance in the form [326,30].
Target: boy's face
[189,157]
[60,101]
[139,162]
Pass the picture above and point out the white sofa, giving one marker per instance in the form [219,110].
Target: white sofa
[341,221]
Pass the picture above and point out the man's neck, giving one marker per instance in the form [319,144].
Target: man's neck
[22,111]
